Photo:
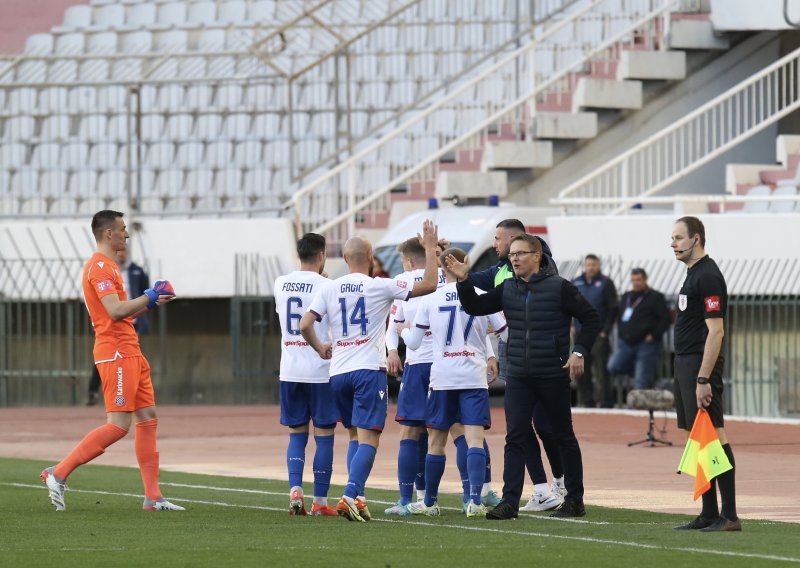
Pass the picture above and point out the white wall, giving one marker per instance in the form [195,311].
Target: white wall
[736,15]
[196,255]
[728,236]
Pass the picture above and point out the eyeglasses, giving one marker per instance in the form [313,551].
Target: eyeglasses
[520,254]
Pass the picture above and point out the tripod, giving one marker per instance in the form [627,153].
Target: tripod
[651,436]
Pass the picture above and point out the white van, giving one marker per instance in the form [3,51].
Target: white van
[470,228]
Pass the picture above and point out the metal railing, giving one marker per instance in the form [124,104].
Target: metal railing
[684,146]
[544,69]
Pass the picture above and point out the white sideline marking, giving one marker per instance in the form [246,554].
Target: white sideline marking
[464,527]
[279,494]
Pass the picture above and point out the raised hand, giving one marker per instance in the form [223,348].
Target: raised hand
[430,235]
[459,269]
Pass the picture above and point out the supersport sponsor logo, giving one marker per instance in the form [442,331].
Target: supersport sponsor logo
[464,353]
[296,342]
[341,343]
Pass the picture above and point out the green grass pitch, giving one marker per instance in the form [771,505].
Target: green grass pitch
[243,522]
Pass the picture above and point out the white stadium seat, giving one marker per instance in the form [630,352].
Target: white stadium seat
[102,42]
[172,13]
[19,128]
[83,183]
[137,42]
[190,155]
[55,127]
[172,41]
[757,206]
[179,127]
[228,181]
[248,154]
[74,155]
[53,182]
[169,182]
[93,127]
[109,16]
[141,14]
[105,156]
[208,126]
[126,69]
[39,44]
[160,155]
[32,72]
[79,16]
[25,182]
[233,12]
[237,126]
[152,127]
[69,44]
[783,206]
[261,11]
[63,71]
[111,182]
[46,155]
[219,154]
[202,13]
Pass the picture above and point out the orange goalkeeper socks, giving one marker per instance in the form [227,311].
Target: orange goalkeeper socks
[92,445]
[147,456]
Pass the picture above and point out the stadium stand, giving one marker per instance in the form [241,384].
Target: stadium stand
[157,89]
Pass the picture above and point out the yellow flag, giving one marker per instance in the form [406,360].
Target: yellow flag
[703,458]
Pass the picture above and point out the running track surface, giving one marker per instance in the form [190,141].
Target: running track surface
[249,441]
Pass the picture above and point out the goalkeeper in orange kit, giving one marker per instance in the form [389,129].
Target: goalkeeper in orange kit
[124,372]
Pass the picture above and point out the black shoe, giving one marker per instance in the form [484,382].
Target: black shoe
[569,509]
[723,525]
[503,511]
[698,523]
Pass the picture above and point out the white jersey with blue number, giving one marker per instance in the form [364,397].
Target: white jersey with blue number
[293,295]
[459,340]
[407,311]
[357,307]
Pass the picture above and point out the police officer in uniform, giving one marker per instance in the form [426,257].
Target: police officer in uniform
[699,332]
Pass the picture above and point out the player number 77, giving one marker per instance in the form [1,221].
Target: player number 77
[451,311]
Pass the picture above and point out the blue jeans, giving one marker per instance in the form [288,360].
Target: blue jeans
[638,360]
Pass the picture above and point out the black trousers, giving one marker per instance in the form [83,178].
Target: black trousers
[522,396]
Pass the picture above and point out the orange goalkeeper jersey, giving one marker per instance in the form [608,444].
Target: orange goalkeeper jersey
[113,339]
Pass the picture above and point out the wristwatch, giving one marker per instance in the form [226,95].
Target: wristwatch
[577,354]
[703,380]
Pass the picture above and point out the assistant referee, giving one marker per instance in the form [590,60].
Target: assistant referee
[699,333]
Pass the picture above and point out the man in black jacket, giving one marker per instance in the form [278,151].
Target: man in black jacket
[599,289]
[539,307]
[643,320]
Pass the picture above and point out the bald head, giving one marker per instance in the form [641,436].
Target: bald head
[357,253]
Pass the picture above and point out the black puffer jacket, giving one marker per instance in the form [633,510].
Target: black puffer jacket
[539,313]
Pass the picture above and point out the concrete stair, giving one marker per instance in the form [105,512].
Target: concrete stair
[565,115]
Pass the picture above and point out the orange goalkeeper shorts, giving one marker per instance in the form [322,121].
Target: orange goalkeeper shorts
[126,384]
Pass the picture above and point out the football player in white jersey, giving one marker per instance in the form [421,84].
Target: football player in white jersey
[357,307]
[305,390]
[458,387]
[413,386]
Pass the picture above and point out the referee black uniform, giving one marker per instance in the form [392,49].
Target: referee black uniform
[703,296]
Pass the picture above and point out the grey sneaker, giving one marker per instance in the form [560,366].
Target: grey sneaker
[56,489]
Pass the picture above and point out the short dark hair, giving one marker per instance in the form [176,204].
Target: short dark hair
[457,253]
[511,224]
[412,248]
[309,246]
[103,220]
[695,227]
[591,257]
[639,272]
[536,244]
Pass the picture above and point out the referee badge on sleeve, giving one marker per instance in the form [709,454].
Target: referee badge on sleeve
[682,301]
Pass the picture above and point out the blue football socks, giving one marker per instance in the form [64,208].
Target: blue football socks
[296,458]
[434,469]
[407,469]
[323,465]
[476,468]
[360,467]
